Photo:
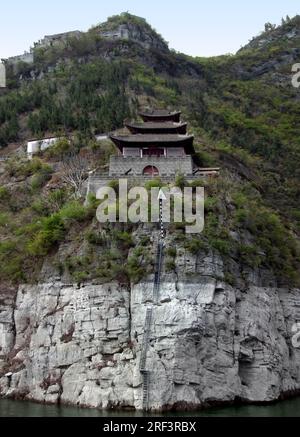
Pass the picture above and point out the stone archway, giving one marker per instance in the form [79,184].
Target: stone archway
[151,170]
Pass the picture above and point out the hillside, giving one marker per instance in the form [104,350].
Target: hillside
[244,121]
[228,293]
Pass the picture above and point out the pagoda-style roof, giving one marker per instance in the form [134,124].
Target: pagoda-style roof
[161,116]
[150,127]
[155,140]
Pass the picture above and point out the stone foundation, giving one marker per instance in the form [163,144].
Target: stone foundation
[135,166]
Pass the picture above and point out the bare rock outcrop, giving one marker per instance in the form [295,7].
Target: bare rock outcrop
[209,343]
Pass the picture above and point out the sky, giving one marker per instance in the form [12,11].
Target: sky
[194,27]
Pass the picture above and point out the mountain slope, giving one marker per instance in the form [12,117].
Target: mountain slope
[244,121]
[74,293]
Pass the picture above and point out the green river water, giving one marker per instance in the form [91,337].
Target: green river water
[289,408]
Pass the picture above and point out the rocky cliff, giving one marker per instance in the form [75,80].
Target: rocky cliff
[210,343]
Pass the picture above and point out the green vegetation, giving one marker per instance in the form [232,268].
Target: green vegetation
[245,119]
[98,89]
[25,168]
[140,23]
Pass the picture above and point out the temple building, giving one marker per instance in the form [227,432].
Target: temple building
[158,146]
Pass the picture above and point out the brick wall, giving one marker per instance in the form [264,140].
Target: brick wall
[166,166]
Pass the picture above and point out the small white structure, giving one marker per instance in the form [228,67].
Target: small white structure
[2,75]
[37,146]
[101,137]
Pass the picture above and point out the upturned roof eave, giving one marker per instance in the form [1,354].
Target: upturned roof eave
[162,125]
[185,141]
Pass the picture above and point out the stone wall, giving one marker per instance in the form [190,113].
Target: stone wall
[167,166]
[28,58]
[50,40]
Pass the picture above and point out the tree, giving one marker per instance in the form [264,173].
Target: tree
[269,27]
[75,173]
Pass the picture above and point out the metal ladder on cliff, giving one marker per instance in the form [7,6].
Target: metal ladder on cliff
[147,329]
[158,268]
[146,377]
[160,252]
[146,340]
[143,361]
[149,313]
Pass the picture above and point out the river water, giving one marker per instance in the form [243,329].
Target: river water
[289,408]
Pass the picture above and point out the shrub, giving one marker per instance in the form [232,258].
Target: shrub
[73,211]
[4,194]
[80,277]
[12,269]
[134,269]
[155,183]
[171,252]
[220,245]
[94,238]
[194,246]
[16,167]
[124,239]
[41,177]
[249,255]
[56,199]
[10,261]
[180,181]
[205,158]
[52,231]
[210,204]
[4,218]
[7,248]
[92,202]
[61,148]
[170,265]
[114,185]
[144,241]
[40,207]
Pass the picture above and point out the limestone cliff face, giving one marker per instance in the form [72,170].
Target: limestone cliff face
[209,342]
[143,35]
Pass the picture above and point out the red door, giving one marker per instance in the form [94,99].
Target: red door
[150,170]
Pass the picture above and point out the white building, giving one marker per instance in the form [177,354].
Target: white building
[37,146]
[2,75]
[101,137]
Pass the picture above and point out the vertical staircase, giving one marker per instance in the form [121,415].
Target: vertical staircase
[297,305]
[146,339]
[158,268]
[143,361]
[146,377]
[149,315]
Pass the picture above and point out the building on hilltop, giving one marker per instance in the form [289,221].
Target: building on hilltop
[158,147]
[53,40]
[47,41]
[26,57]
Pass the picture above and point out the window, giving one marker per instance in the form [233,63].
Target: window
[155,151]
